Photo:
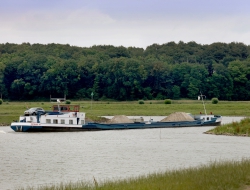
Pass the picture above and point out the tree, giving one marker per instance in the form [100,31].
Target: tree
[220,84]
[2,85]
[171,70]
[158,78]
[176,92]
[240,73]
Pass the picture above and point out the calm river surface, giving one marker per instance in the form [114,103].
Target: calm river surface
[35,159]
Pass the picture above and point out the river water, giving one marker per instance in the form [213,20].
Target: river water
[37,159]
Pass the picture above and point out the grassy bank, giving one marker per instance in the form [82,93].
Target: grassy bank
[225,175]
[241,128]
[10,111]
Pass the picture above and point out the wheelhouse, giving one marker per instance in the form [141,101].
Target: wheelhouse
[65,108]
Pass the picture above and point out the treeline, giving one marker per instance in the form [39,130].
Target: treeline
[171,70]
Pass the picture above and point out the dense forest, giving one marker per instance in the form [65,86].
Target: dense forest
[171,70]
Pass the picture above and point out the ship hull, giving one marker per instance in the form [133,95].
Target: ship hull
[38,127]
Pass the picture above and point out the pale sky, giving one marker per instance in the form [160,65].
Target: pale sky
[136,23]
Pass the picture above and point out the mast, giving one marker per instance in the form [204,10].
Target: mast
[58,102]
[201,96]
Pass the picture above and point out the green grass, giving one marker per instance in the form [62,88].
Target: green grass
[10,111]
[217,175]
[241,128]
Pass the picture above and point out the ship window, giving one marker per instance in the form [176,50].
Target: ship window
[70,121]
[207,118]
[55,121]
[82,122]
[48,121]
[62,121]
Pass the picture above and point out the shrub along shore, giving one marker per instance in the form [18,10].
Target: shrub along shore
[241,128]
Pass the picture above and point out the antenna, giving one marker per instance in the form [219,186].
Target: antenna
[58,101]
[201,97]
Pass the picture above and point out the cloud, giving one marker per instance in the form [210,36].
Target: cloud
[40,20]
[87,26]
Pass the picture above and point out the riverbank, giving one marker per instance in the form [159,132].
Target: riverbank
[241,128]
[10,111]
[217,175]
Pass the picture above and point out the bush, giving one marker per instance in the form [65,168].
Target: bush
[1,101]
[141,102]
[167,101]
[68,102]
[215,100]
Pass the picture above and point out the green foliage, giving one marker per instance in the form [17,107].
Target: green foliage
[171,70]
[141,102]
[215,101]
[176,92]
[1,101]
[167,101]
[241,128]
[68,102]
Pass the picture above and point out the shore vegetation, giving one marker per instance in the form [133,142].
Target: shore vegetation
[10,111]
[241,128]
[216,175]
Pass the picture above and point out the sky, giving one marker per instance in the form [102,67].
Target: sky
[135,23]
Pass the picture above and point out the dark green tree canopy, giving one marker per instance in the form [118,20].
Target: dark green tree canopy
[168,71]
